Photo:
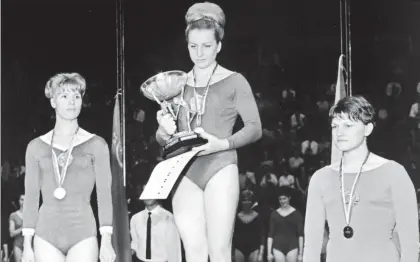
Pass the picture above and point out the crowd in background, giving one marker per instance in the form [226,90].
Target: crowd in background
[296,142]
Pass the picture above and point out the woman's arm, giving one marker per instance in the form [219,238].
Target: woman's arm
[6,250]
[315,218]
[13,232]
[300,232]
[269,245]
[133,233]
[405,206]
[103,177]
[300,247]
[271,232]
[32,192]
[262,235]
[248,111]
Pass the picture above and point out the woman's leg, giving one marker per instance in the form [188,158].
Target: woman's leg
[17,254]
[278,256]
[46,252]
[253,257]
[239,257]
[188,209]
[84,251]
[221,200]
[292,255]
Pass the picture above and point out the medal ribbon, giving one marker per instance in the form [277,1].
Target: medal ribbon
[200,111]
[60,177]
[347,209]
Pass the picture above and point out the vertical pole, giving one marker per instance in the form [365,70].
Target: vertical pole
[345,29]
[121,76]
[349,64]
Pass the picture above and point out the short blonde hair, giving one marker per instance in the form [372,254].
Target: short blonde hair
[63,81]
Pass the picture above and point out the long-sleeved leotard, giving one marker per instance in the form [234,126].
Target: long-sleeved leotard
[248,237]
[285,231]
[384,200]
[66,222]
[226,99]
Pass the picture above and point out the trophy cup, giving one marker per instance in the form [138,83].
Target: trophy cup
[167,89]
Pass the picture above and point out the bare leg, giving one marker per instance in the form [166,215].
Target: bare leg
[239,257]
[278,256]
[253,257]
[292,255]
[84,251]
[221,200]
[46,252]
[17,254]
[188,209]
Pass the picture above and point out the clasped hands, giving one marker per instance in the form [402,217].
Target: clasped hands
[167,127]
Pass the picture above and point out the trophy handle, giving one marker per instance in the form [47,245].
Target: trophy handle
[167,108]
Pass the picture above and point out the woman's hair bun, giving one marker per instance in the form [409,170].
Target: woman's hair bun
[205,10]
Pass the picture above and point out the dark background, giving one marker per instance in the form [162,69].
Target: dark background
[43,38]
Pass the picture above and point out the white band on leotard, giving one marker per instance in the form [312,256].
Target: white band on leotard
[347,208]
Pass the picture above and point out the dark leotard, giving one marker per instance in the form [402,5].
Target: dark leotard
[17,220]
[285,231]
[248,237]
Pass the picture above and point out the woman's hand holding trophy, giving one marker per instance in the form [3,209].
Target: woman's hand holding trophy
[167,125]
[213,145]
[167,89]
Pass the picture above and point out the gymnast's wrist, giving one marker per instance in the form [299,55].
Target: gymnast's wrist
[27,242]
[106,238]
[225,144]
[163,134]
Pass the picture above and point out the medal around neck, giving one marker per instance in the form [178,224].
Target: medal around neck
[59,193]
[348,231]
[167,89]
[63,161]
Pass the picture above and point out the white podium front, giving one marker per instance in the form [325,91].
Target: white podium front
[164,176]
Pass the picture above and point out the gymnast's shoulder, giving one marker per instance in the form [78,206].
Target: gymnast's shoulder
[326,171]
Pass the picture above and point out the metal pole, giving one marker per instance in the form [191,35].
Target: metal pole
[349,69]
[121,77]
[342,29]
[346,43]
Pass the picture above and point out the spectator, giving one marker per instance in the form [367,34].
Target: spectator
[247,180]
[15,230]
[297,119]
[285,236]
[154,236]
[267,177]
[296,163]
[248,237]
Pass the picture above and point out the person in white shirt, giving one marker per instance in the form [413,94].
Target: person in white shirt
[163,243]
[297,119]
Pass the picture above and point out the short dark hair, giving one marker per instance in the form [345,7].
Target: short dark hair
[284,191]
[356,107]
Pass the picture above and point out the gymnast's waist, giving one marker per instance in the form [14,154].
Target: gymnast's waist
[66,206]
[227,156]
[365,235]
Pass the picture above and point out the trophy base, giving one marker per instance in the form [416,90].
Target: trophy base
[182,142]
